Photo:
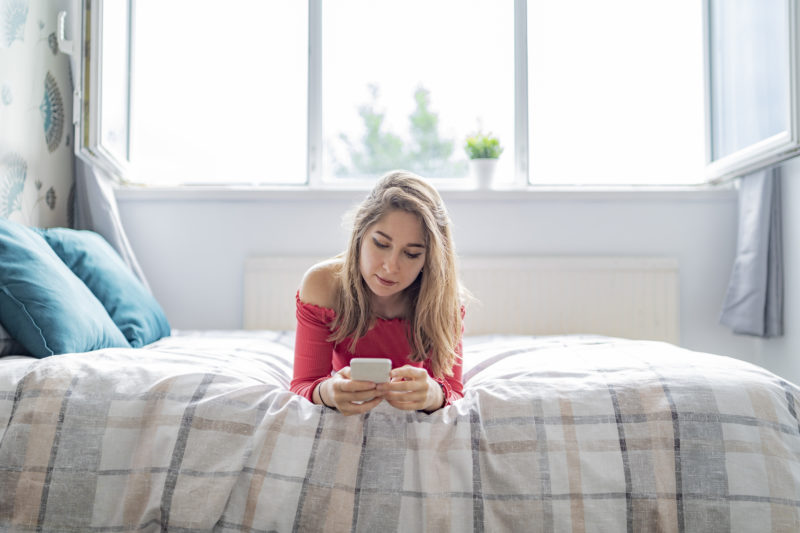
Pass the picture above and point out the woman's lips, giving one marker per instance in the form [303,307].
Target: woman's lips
[385,282]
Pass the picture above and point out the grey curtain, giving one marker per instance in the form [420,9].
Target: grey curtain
[754,302]
[95,208]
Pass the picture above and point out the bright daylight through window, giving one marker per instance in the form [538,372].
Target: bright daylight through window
[226,96]
[405,90]
[616,92]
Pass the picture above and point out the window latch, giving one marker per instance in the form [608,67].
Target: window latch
[63,44]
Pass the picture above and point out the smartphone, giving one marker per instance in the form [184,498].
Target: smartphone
[375,369]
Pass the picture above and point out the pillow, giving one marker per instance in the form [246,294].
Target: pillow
[129,303]
[9,345]
[43,305]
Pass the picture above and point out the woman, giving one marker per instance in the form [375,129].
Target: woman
[393,293]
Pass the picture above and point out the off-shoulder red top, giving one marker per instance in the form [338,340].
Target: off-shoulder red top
[315,358]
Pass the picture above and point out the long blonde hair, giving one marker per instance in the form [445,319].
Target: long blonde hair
[435,303]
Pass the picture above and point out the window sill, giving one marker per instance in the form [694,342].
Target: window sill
[217,193]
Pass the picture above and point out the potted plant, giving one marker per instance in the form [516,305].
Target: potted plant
[483,150]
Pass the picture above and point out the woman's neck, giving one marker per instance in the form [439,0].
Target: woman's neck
[390,307]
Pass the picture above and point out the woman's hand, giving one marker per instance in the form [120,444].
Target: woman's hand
[340,392]
[412,389]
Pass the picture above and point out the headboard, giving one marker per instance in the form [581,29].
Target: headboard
[631,297]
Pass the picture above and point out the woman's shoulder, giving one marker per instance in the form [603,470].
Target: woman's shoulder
[320,283]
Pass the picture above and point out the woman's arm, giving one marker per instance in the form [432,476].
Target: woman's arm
[313,351]
[453,386]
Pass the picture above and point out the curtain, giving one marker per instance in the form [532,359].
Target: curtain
[95,208]
[753,304]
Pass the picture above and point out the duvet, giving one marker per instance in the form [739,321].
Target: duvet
[198,432]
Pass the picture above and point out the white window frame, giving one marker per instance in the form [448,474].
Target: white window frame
[88,95]
[766,152]
[314,176]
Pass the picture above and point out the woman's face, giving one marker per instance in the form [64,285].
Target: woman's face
[392,254]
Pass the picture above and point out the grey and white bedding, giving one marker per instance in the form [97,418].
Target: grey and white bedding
[198,432]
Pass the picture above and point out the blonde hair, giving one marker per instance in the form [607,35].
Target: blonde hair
[435,303]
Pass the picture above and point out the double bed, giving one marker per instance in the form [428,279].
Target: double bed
[121,424]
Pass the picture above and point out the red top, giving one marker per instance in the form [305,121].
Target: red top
[315,357]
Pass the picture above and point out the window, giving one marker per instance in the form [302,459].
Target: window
[217,92]
[330,93]
[753,116]
[616,92]
[103,90]
[115,77]
[403,83]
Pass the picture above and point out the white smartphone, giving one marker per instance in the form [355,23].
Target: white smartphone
[375,369]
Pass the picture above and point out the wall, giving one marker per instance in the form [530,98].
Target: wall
[192,247]
[36,144]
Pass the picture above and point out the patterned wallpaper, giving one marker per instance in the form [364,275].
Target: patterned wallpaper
[36,144]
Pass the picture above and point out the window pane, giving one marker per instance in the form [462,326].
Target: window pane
[749,72]
[219,91]
[615,92]
[114,79]
[404,83]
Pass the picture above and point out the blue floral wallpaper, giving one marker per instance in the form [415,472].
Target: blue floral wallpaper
[36,151]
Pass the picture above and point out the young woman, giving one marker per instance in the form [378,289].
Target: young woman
[393,293]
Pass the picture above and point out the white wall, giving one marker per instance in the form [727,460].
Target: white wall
[192,247]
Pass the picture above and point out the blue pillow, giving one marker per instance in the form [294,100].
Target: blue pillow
[129,303]
[43,305]
[9,345]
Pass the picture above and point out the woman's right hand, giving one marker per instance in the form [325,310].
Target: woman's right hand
[340,392]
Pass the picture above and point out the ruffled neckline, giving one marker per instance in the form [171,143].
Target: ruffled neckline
[330,312]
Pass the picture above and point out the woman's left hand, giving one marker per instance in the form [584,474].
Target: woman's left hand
[412,389]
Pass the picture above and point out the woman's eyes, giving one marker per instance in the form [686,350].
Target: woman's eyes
[382,246]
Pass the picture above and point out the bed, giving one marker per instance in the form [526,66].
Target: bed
[197,431]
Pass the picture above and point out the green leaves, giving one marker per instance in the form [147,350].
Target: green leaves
[483,146]
[424,151]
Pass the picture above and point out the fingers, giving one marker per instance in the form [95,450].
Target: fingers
[406,379]
[408,372]
[410,389]
[406,395]
[345,393]
[354,391]
[356,409]
[356,386]
[411,405]
[402,389]
[406,401]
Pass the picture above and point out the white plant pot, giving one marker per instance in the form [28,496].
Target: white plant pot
[483,171]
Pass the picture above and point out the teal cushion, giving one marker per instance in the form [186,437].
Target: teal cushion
[43,305]
[129,303]
[9,345]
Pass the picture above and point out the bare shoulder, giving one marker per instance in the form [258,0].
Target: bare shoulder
[319,284]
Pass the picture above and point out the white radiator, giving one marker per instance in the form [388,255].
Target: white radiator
[632,297]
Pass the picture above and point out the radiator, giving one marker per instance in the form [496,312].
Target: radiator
[631,297]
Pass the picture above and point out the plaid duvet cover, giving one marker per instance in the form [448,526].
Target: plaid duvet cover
[199,433]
